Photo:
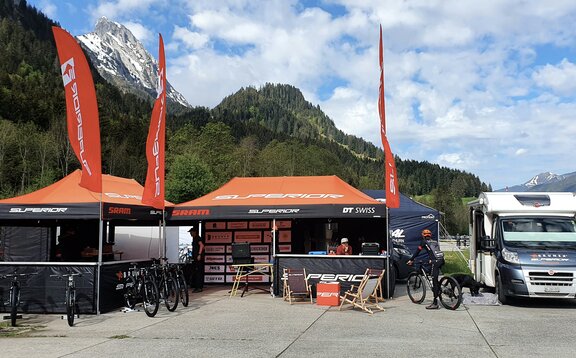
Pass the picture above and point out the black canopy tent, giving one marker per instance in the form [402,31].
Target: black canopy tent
[28,235]
[306,211]
[407,222]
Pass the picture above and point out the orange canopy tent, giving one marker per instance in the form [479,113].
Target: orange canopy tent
[278,197]
[66,199]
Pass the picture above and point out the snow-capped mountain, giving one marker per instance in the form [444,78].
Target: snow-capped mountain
[122,60]
[543,178]
[547,182]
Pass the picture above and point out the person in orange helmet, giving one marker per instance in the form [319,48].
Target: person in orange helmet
[436,259]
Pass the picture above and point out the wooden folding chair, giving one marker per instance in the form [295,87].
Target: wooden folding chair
[296,285]
[367,290]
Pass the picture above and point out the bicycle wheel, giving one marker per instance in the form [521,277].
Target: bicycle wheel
[450,293]
[416,287]
[130,292]
[170,288]
[70,305]
[150,297]
[14,298]
[183,290]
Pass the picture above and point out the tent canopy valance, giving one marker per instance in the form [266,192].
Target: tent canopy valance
[281,197]
[66,199]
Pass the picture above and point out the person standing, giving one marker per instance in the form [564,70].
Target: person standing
[344,248]
[198,263]
[436,259]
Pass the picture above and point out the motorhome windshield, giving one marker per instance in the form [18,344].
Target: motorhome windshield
[557,232]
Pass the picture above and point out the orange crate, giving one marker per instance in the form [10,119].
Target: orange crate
[328,293]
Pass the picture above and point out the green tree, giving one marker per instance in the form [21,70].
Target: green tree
[188,178]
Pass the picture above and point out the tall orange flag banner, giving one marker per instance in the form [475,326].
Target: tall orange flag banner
[390,174]
[155,145]
[81,109]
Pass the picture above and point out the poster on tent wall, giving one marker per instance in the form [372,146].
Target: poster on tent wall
[220,235]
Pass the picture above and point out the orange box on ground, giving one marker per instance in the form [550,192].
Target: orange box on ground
[328,293]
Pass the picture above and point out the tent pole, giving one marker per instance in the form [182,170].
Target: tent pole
[388,253]
[163,224]
[274,229]
[160,239]
[99,271]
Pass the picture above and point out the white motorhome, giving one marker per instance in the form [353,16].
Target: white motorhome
[524,244]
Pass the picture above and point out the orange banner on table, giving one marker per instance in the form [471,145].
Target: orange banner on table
[155,145]
[81,109]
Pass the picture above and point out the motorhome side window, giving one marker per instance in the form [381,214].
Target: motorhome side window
[552,232]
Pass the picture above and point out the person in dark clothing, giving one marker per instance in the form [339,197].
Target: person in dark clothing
[69,245]
[198,263]
[436,259]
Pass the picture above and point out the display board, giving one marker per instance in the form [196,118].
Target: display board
[220,235]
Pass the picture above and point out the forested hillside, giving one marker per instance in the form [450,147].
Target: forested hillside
[270,131]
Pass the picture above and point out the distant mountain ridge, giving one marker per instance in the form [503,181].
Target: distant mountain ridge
[547,181]
[283,109]
[123,61]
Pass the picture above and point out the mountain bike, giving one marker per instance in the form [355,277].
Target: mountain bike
[186,256]
[14,298]
[166,282]
[182,285]
[450,291]
[139,285]
[71,307]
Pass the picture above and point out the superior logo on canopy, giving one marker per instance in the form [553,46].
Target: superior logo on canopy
[38,210]
[278,196]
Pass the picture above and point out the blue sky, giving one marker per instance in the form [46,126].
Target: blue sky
[487,87]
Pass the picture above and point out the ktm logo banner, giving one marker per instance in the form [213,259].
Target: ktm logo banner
[81,109]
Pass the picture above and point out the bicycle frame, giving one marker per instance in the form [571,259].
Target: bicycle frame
[15,290]
[449,291]
[140,285]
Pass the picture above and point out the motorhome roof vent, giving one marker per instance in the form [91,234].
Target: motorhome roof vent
[533,200]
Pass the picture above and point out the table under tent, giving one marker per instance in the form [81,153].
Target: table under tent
[65,228]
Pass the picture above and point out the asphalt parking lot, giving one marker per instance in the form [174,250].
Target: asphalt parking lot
[258,325]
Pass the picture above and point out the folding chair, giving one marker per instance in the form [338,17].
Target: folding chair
[296,284]
[367,290]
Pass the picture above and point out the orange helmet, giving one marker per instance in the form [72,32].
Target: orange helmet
[426,233]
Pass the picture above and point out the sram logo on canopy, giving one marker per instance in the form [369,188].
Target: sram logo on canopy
[278,196]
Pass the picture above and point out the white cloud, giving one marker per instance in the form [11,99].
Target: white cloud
[142,33]
[192,40]
[48,8]
[560,78]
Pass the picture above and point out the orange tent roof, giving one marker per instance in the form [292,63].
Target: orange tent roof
[273,196]
[116,191]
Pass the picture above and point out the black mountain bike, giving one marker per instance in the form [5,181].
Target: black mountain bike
[166,282]
[182,285]
[450,291]
[71,306]
[139,285]
[14,299]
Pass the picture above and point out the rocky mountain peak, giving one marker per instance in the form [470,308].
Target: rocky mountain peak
[122,60]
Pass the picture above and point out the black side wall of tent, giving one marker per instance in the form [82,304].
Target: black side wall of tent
[408,221]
